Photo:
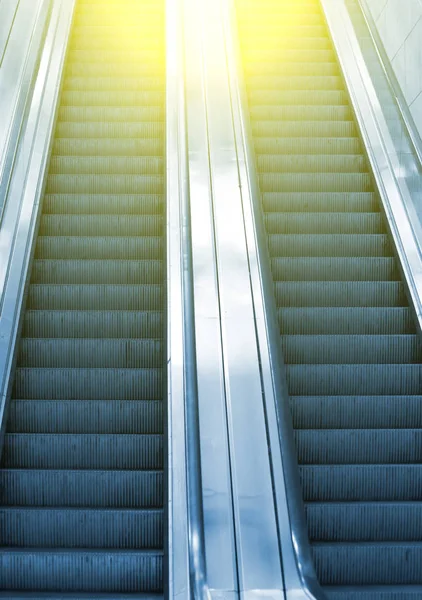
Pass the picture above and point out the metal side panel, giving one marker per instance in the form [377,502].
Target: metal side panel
[177,483]
[299,575]
[396,200]
[21,216]
[22,29]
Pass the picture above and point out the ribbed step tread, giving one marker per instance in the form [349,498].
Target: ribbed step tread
[327,244]
[334,380]
[322,223]
[359,446]
[95,297]
[93,324]
[356,412]
[123,249]
[89,384]
[368,564]
[283,147]
[98,571]
[118,98]
[342,321]
[76,488]
[102,225]
[86,416]
[402,592]
[340,293]
[334,269]
[91,147]
[364,522]
[309,163]
[105,184]
[106,165]
[81,528]
[82,451]
[90,271]
[91,353]
[103,204]
[350,349]
[315,182]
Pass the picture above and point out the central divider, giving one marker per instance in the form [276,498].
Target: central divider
[240,522]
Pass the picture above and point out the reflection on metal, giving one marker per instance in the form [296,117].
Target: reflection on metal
[19,223]
[22,29]
[220,575]
[392,81]
[240,521]
[299,575]
[396,199]
[177,320]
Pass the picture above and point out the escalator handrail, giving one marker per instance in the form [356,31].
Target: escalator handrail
[298,567]
[395,198]
[392,81]
[22,98]
[187,573]
[21,217]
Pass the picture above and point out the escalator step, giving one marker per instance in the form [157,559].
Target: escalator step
[86,416]
[105,184]
[82,451]
[355,412]
[319,223]
[340,293]
[359,446]
[92,324]
[334,269]
[98,570]
[134,204]
[372,563]
[124,249]
[81,528]
[102,225]
[286,146]
[95,297]
[91,353]
[97,271]
[328,244]
[364,521]
[350,349]
[76,488]
[89,384]
[341,321]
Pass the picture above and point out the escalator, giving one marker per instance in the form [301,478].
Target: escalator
[348,333]
[81,480]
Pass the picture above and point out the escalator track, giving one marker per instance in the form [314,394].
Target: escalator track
[81,483]
[347,332]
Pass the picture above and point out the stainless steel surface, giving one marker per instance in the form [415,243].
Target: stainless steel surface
[396,198]
[8,10]
[394,84]
[216,476]
[22,29]
[233,423]
[403,144]
[20,217]
[179,583]
[299,575]
[256,534]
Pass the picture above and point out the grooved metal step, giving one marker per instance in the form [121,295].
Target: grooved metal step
[82,482]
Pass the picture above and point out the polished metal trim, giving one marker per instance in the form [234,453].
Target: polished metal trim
[396,90]
[183,474]
[18,229]
[395,198]
[8,10]
[300,579]
[218,571]
[18,71]
[256,551]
